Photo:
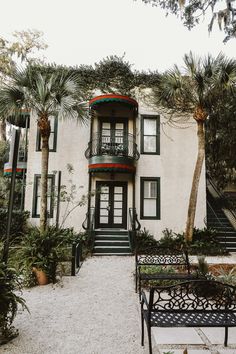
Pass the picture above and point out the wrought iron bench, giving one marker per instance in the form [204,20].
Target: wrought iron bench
[195,303]
[165,258]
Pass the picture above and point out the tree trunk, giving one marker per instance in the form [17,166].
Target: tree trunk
[195,181]
[44,183]
[2,130]
[44,126]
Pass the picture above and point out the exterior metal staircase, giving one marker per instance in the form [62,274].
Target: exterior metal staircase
[111,242]
[219,215]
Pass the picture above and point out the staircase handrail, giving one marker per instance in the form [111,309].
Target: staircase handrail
[218,220]
[224,203]
[133,218]
[89,222]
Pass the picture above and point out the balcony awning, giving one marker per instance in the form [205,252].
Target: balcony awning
[111,167]
[112,98]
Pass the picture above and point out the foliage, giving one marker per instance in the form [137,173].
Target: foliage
[221,143]
[226,277]
[197,90]
[156,270]
[18,225]
[204,241]
[191,12]
[48,92]
[44,251]
[9,302]
[202,266]
[171,240]
[22,47]
[145,239]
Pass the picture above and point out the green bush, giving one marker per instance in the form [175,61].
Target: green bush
[18,225]
[46,251]
[9,302]
[156,270]
[171,240]
[204,242]
[144,240]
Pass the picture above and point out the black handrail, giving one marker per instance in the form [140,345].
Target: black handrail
[89,225]
[76,257]
[134,226]
[113,146]
[133,217]
[223,201]
[89,222]
[218,220]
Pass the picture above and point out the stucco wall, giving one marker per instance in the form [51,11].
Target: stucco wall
[72,141]
[174,166]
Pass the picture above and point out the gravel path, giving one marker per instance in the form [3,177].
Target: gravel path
[96,312]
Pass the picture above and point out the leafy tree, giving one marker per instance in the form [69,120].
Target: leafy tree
[221,142]
[47,92]
[192,11]
[21,49]
[197,91]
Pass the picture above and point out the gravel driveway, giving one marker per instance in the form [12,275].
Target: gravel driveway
[96,312]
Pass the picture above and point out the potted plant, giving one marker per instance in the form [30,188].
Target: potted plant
[9,302]
[40,253]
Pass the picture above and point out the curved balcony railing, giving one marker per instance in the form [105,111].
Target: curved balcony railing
[118,146]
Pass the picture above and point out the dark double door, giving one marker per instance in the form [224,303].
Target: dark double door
[111,204]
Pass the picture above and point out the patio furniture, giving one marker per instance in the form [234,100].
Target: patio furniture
[195,303]
[164,257]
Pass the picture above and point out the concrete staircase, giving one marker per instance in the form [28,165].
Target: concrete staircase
[217,220]
[111,242]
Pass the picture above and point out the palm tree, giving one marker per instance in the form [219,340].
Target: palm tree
[196,91]
[47,91]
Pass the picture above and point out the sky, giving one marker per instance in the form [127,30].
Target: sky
[86,31]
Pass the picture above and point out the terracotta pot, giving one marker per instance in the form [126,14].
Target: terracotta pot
[41,276]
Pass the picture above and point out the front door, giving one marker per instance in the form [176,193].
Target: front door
[111,205]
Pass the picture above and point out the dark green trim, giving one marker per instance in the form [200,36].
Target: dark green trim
[111,186]
[158,199]
[157,134]
[111,159]
[38,138]
[35,212]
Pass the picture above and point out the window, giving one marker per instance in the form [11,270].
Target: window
[150,135]
[37,196]
[150,198]
[113,137]
[52,137]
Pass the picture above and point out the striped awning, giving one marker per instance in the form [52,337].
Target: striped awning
[112,98]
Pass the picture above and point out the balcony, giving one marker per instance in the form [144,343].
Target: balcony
[112,155]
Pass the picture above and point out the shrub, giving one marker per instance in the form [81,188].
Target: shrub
[144,240]
[44,250]
[9,302]
[171,239]
[18,225]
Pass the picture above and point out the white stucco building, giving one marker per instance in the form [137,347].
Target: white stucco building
[128,158]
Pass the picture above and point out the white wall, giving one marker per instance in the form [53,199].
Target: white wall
[72,141]
[174,166]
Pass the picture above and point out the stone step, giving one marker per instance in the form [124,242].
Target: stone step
[111,232]
[113,254]
[111,243]
[112,237]
[111,249]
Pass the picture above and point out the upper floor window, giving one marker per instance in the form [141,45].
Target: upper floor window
[113,137]
[37,196]
[52,138]
[150,135]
